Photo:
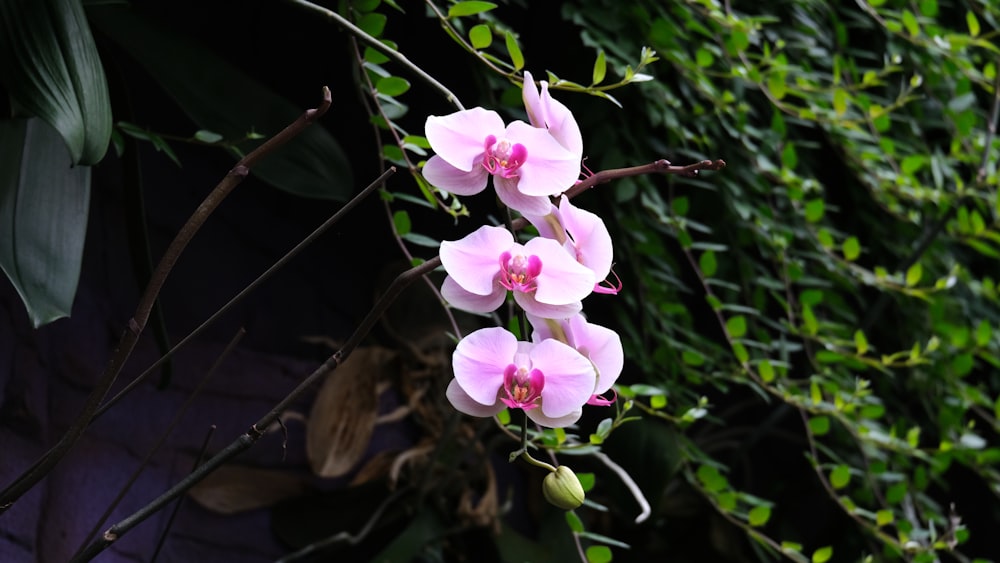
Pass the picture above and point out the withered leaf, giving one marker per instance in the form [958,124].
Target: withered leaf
[231,489]
[343,417]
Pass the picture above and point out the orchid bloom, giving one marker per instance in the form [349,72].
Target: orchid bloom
[487,263]
[583,234]
[549,114]
[549,380]
[527,163]
[600,345]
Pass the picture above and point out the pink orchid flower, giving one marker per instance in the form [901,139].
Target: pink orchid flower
[549,380]
[487,263]
[527,164]
[583,234]
[549,114]
[600,345]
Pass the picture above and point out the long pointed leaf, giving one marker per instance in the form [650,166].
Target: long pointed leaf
[43,217]
[50,67]
[221,98]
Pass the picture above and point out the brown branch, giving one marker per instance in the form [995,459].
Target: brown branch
[137,323]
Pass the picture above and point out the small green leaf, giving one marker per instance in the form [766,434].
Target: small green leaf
[372,23]
[711,479]
[789,158]
[972,22]
[766,371]
[910,23]
[707,263]
[658,401]
[851,249]
[704,57]
[574,521]
[692,358]
[913,275]
[840,99]
[469,8]
[884,517]
[480,36]
[840,477]
[777,85]
[822,555]
[860,342]
[600,69]
[516,58]
[736,326]
[587,480]
[984,333]
[599,554]
[740,351]
[401,220]
[392,85]
[759,515]
[207,136]
[819,425]
[814,210]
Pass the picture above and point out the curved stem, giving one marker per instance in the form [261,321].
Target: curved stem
[380,47]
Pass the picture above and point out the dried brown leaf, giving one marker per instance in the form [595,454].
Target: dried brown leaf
[343,417]
[231,489]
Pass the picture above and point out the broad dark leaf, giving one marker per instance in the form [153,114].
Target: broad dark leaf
[43,217]
[221,98]
[50,67]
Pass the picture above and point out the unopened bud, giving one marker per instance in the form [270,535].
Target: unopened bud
[563,489]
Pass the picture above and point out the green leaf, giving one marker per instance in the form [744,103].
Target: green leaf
[50,68]
[207,136]
[819,425]
[822,555]
[373,23]
[469,8]
[574,521]
[972,22]
[759,515]
[707,263]
[392,85]
[703,57]
[776,84]
[736,326]
[840,99]
[43,217]
[814,210]
[884,517]
[401,220]
[598,554]
[480,36]
[219,97]
[766,371]
[840,476]
[600,69]
[851,249]
[516,58]
[913,275]
[910,23]
[860,342]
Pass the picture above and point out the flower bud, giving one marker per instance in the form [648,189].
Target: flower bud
[562,488]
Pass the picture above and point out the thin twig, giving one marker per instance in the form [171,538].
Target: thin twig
[380,47]
[173,513]
[345,537]
[130,336]
[163,436]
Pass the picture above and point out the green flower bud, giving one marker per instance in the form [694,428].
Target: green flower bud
[563,489]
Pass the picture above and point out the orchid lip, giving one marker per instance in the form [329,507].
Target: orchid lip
[503,157]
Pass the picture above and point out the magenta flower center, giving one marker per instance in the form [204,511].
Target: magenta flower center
[518,272]
[523,388]
[502,157]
